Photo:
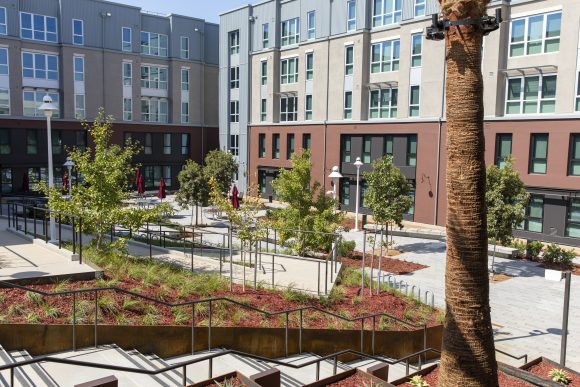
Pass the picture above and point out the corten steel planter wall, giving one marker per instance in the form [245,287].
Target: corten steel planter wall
[167,341]
[553,364]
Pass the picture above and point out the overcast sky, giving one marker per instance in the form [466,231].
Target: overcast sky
[203,9]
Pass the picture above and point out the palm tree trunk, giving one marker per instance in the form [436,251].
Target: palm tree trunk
[468,357]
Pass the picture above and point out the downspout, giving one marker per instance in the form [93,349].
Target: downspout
[251,21]
[202,91]
[440,130]
[327,93]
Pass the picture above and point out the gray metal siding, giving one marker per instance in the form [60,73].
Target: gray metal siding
[212,55]
[264,13]
[431,7]
[338,21]
[12,18]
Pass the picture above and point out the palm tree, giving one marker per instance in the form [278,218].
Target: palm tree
[468,357]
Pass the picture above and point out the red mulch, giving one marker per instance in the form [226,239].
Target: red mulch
[542,369]
[235,382]
[391,265]
[504,380]
[352,381]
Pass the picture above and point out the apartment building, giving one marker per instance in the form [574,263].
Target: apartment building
[154,74]
[357,78]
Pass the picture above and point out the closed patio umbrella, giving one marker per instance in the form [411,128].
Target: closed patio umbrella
[235,199]
[65,182]
[25,183]
[140,185]
[161,194]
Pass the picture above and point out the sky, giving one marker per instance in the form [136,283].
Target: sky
[203,9]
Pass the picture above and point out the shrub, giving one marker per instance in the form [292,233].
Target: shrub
[567,256]
[417,381]
[533,249]
[559,376]
[35,298]
[32,318]
[552,253]
[292,295]
[346,248]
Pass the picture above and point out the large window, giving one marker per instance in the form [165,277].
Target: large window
[416,50]
[39,66]
[235,77]
[288,109]
[6,177]
[386,12]
[127,74]
[311,19]
[80,110]
[127,109]
[4,102]
[534,214]
[5,144]
[411,210]
[412,150]
[350,15]
[81,140]
[348,60]
[184,112]
[309,66]
[503,148]
[262,145]
[234,111]
[79,68]
[153,77]
[306,140]
[290,146]
[383,103]
[347,114]
[345,149]
[4,66]
[574,167]
[31,142]
[56,137]
[345,192]
[290,32]
[308,108]
[127,39]
[385,56]
[78,32]
[235,144]
[154,44]
[185,79]
[264,110]
[276,146]
[573,219]
[154,110]
[185,140]
[578,93]
[184,47]
[3,28]
[535,34]
[234,42]
[367,149]
[38,27]
[388,145]
[265,35]
[414,101]
[262,181]
[264,72]
[419,9]
[531,95]
[32,99]
[153,174]
[166,143]
[148,144]
[539,153]
[289,72]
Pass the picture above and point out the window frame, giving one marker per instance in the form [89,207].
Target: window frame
[347,105]
[184,52]
[577,99]
[345,151]
[290,32]
[286,77]
[394,62]
[5,107]
[366,154]
[574,149]
[161,113]
[289,115]
[5,141]
[290,145]
[411,159]
[261,145]
[534,139]
[81,35]
[308,102]
[344,189]
[34,30]
[185,141]
[185,79]
[159,50]
[526,223]
[79,76]
[265,35]
[525,40]
[127,114]
[311,25]
[309,66]
[414,55]
[499,137]
[38,95]
[264,72]
[234,112]
[184,112]
[80,112]
[275,146]
[419,5]
[234,42]
[414,108]
[167,143]
[350,18]
[539,101]
[150,81]
[3,25]
[148,143]
[391,109]
[349,60]
[570,221]
[127,76]
[126,45]
[234,77]
[32,134]
[6,185]
[263,110]
[306,141]
[380,18]
[234,145]
[5,67]
[35,69]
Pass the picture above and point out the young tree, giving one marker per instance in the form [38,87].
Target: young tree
[506,200]
[468,354]
[221,166]
[107,173]
[193,188]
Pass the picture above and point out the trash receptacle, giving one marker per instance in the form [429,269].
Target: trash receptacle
[364,220]
[270,199]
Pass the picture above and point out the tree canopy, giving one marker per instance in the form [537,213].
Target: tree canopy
[221,166]
[193,186]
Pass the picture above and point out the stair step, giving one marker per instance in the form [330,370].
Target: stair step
[307,374]
[20,378]
[169,378]
[35,373]
[158,362]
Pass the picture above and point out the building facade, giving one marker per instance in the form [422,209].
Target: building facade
[154,74]
[357,78]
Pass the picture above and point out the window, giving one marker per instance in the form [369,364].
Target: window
[38,27]
[32,99]
[234,111]
[79,68]
[185,79]
[4,102]
[534,214]
[345,149]
[363,190]
[535,34]
[235,42]
[3,28]
[385,56]
[345,192]
[6,174]
[184,51]
[264,74]
[264,110]
[235,144]
[262,181]
[153,77]
[265,35]
[388,146]
[308,108]
[366,149]
[39,66]
[56,137]
[309,66]
[127,39]
[234,77]
[262,145]
[573,219]
[419,8]
[383,103]
[166,143]
[290,32]
[306,139]
[31,142]
[539,153]
[503,148]
[311,19]
[127,74]
[184,112]
[416,49]
[78,32]
[80,112]
[531,95]
[350,15]
[5,145]
[4,66]
[414,99]
[153,175]
[412,150]
[127,109]
[185,140]
[348,60]
[574,168]
[154,110]
[289,145]
[288,109]
[347,105]
[578,94]
[127,138]
[153,43]
[81,140]
[386,12]
[289,72]
[148,146]
[275,146]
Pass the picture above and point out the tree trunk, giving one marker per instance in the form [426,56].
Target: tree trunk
[468,357]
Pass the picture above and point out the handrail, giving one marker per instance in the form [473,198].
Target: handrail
[524,356]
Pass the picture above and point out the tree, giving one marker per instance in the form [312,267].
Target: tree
[308,208]
[468,353]
[506,200]
[193,188]
[221,166]
[388,198]
[106,170]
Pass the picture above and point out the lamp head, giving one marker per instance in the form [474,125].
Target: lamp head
[335,173]
[358,163]
[48,107]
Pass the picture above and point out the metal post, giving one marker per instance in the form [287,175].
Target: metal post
[59,231]
[425,341]
[326,276]
[209,327]
[184,380]
[379,271]
[111,233]
[210,371]
[201,244]
[74,327]
[568,279]
[25,221]
[317,371]
[149,241]
[230,242]
[275,242]
[192,329]
[318,278]
[373,336]
[96,315]
[362,286]
[362,328]
[300,334]
[50,167]
[335,365]
[255,267]
[273,285]
[80,240]
[286,336]
[34,216]
[74,239]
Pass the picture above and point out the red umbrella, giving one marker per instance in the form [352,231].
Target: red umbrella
[137,175]
[161,194]
[25,183]
[65,182]
[235,200]
[140,185]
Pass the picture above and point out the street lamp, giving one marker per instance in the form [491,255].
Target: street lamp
[357,164]
[69,165]
[335,176]
[49,108]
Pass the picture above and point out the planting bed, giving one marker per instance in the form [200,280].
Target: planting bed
[391,265]
[355,380]
[231,382]
[543,368]
[504,380]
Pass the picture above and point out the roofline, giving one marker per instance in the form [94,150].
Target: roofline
[236,9]
[154,14]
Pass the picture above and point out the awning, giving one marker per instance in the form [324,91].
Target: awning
[534,70]
[383,85]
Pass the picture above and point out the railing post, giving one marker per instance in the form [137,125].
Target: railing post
[326,277]
[74,241]
[149,242]
[362,285]
[317,371]
[210,371]
[96,315]
[273,284]
[373,336]
[286,336]
[59,231]
[25,221]
[275,242]
[407,367]
[80,240]
[335,365]
[192,329]
[318,289]
[300,334]
[74,321]
[184,380]
[11,377]
[362,328]
[209,327]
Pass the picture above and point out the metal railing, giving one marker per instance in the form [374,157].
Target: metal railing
[524,356]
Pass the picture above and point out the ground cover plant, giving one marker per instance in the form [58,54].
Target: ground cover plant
[549,370]
[432,378]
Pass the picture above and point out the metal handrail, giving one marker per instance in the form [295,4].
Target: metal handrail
[524,356]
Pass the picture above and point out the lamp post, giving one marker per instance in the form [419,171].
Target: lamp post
[335,176]
[69,165]
[357,164]
[49,108]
